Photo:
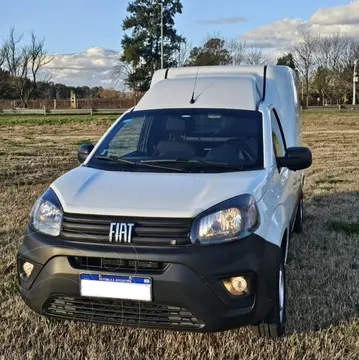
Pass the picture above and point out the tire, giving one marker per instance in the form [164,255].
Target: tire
[298,223]
[273,325]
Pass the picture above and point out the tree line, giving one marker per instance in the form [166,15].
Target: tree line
[324,64]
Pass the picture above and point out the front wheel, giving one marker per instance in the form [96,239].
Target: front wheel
[273,325]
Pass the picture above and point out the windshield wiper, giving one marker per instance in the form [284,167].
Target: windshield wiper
[134,163]
[194,161]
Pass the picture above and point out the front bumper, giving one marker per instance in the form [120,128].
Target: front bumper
[188,294]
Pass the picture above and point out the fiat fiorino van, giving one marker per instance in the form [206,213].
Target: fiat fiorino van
[180,216]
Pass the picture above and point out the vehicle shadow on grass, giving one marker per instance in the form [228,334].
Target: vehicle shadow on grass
[323,267]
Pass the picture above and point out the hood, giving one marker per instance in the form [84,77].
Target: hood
[86,190]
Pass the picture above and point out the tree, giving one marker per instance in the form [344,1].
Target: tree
[237,50]
[23,63]
[141,55]
[2,60]
[343,75]
[304,57]
[182,55]
[286,60]
[213,52]
[124,74]
[4,76]
[255,56]
[5,90]
[322,82]
[218,50]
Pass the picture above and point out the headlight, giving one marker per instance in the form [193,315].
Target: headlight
[46,214]
[231,220]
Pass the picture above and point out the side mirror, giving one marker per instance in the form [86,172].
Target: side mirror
[296,158]
[84,151]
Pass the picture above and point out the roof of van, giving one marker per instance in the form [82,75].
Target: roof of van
[210,92]
[217,70]
[228,87]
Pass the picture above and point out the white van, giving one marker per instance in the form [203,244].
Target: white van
[180,217]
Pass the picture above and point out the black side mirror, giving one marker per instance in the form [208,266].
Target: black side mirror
[296,158]
[84,151]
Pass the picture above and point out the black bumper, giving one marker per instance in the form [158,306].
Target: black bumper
[188,294]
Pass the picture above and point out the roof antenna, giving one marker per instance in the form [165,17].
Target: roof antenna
[194,88]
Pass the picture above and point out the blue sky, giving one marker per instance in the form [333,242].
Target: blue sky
[87,27]
[75,25]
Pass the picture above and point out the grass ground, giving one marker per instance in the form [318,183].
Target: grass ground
[323,272]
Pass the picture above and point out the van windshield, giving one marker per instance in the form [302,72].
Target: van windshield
[191,140]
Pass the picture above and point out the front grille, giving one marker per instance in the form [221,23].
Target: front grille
[146,231]
[108,264]
[120,312]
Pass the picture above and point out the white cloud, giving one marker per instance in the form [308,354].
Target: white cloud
[277,33]
[92,67]
[325,21]
[338,15]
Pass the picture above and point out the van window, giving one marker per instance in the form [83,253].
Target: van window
[278,141]
[229,137]
[126,140]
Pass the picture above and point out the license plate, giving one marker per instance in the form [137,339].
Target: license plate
[116,287]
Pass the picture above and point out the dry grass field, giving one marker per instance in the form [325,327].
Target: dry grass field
[323,272]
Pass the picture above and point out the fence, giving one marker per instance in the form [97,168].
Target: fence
[88,103]
[330,107]
[106,106]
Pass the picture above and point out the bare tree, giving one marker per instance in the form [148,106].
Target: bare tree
[123,75]
[344,75]
[2,56]
[23,63]
[255,56]
[330,52]
[183,53]
[2,60]
[237,50]
[304,57]
[332,58]
[3,74]
[38,58]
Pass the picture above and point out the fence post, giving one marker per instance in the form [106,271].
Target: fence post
[54,104]
[44,107]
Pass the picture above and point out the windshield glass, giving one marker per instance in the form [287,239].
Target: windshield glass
[195,140]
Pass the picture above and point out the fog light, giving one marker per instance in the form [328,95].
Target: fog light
[237,285]
[27,268]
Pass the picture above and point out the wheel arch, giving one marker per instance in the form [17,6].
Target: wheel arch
[277,230]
